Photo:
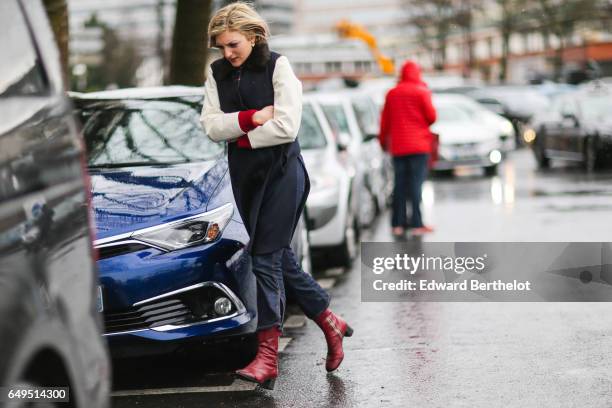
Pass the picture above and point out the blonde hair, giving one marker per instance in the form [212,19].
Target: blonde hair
[240,17]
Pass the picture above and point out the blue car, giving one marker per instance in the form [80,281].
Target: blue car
[167,230]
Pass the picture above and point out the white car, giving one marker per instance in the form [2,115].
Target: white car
[353,119]
[467,136]
[482,115]
[332,222]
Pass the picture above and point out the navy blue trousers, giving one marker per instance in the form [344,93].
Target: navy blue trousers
[278,272]
[410,173]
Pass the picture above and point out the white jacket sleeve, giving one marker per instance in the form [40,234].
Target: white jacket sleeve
[219,126]
[283,128]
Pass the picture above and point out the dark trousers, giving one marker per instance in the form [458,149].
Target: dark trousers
[277,272]
[280,270]
[410,172]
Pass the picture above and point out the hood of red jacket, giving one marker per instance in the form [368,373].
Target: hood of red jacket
[411,73]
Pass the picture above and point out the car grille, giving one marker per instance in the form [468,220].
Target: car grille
[184,308]
[116,250]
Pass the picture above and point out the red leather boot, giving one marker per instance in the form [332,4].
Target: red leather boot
[335,329]
[264,368]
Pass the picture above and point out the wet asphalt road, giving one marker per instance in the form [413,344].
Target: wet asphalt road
[434,354]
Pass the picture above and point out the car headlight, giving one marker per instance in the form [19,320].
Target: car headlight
[324,182]
[507,128]
[196,230]
[529,135]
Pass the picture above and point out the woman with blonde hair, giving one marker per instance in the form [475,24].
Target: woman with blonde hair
[253,101]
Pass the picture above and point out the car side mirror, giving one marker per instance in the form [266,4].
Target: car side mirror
[343,141]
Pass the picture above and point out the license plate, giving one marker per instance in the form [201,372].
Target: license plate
[99,300]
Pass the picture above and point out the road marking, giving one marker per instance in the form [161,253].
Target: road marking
[283,342]
[326,283]
[294,322]
[238,385]
[334,272]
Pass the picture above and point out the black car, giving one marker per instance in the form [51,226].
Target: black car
[518,104]
[50,327]
[577,127]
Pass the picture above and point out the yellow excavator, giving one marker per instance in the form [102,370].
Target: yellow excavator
[346,29]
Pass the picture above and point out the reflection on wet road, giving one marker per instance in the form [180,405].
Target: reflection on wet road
[419,354]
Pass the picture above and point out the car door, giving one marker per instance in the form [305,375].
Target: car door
[569,130]
[45,245]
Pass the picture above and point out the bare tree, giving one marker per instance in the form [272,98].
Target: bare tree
[510,21]
[463,16]
[189,42]
[561,18]
[57,11]
[432,19]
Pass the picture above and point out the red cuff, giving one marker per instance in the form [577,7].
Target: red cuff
[243,142]
[245,120]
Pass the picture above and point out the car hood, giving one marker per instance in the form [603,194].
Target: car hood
[127,199]
[464,132]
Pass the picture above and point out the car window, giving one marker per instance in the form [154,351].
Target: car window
[146,132]
[336,117]
[310,135]
[21,73]
[366,116]
[596,108]
[447,113]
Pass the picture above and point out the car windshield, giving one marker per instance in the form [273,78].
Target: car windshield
[522,99]
[310,135]
[145,132]
[597,107]
[447,113]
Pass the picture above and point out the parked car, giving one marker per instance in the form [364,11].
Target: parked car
[483,116]
[50,326]
[465,138]
[577,127]
[515,103]
[332,220]
[353,119]
[167,228]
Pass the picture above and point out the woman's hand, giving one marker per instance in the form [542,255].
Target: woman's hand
[262,116]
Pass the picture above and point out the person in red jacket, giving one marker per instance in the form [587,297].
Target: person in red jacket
[405,134]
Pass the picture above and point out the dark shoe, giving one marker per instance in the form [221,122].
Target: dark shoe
[335,329]
[263,370]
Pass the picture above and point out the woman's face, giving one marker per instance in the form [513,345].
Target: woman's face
[235,46]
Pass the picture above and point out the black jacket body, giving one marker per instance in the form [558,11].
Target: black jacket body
[264,180]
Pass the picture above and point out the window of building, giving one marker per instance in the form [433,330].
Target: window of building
[21,72]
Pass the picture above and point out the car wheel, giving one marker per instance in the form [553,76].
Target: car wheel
[443,173]
[590,155]
[491,170]
[538,152]
[306,261]
[344,254]
[367,208]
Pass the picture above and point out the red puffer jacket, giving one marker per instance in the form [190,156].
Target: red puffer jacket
[407,115]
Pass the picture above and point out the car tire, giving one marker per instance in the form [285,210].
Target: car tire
[306,261]
[344,254]
[491,171]
[447,173]
[591,162]
[367,208]
[539,153]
